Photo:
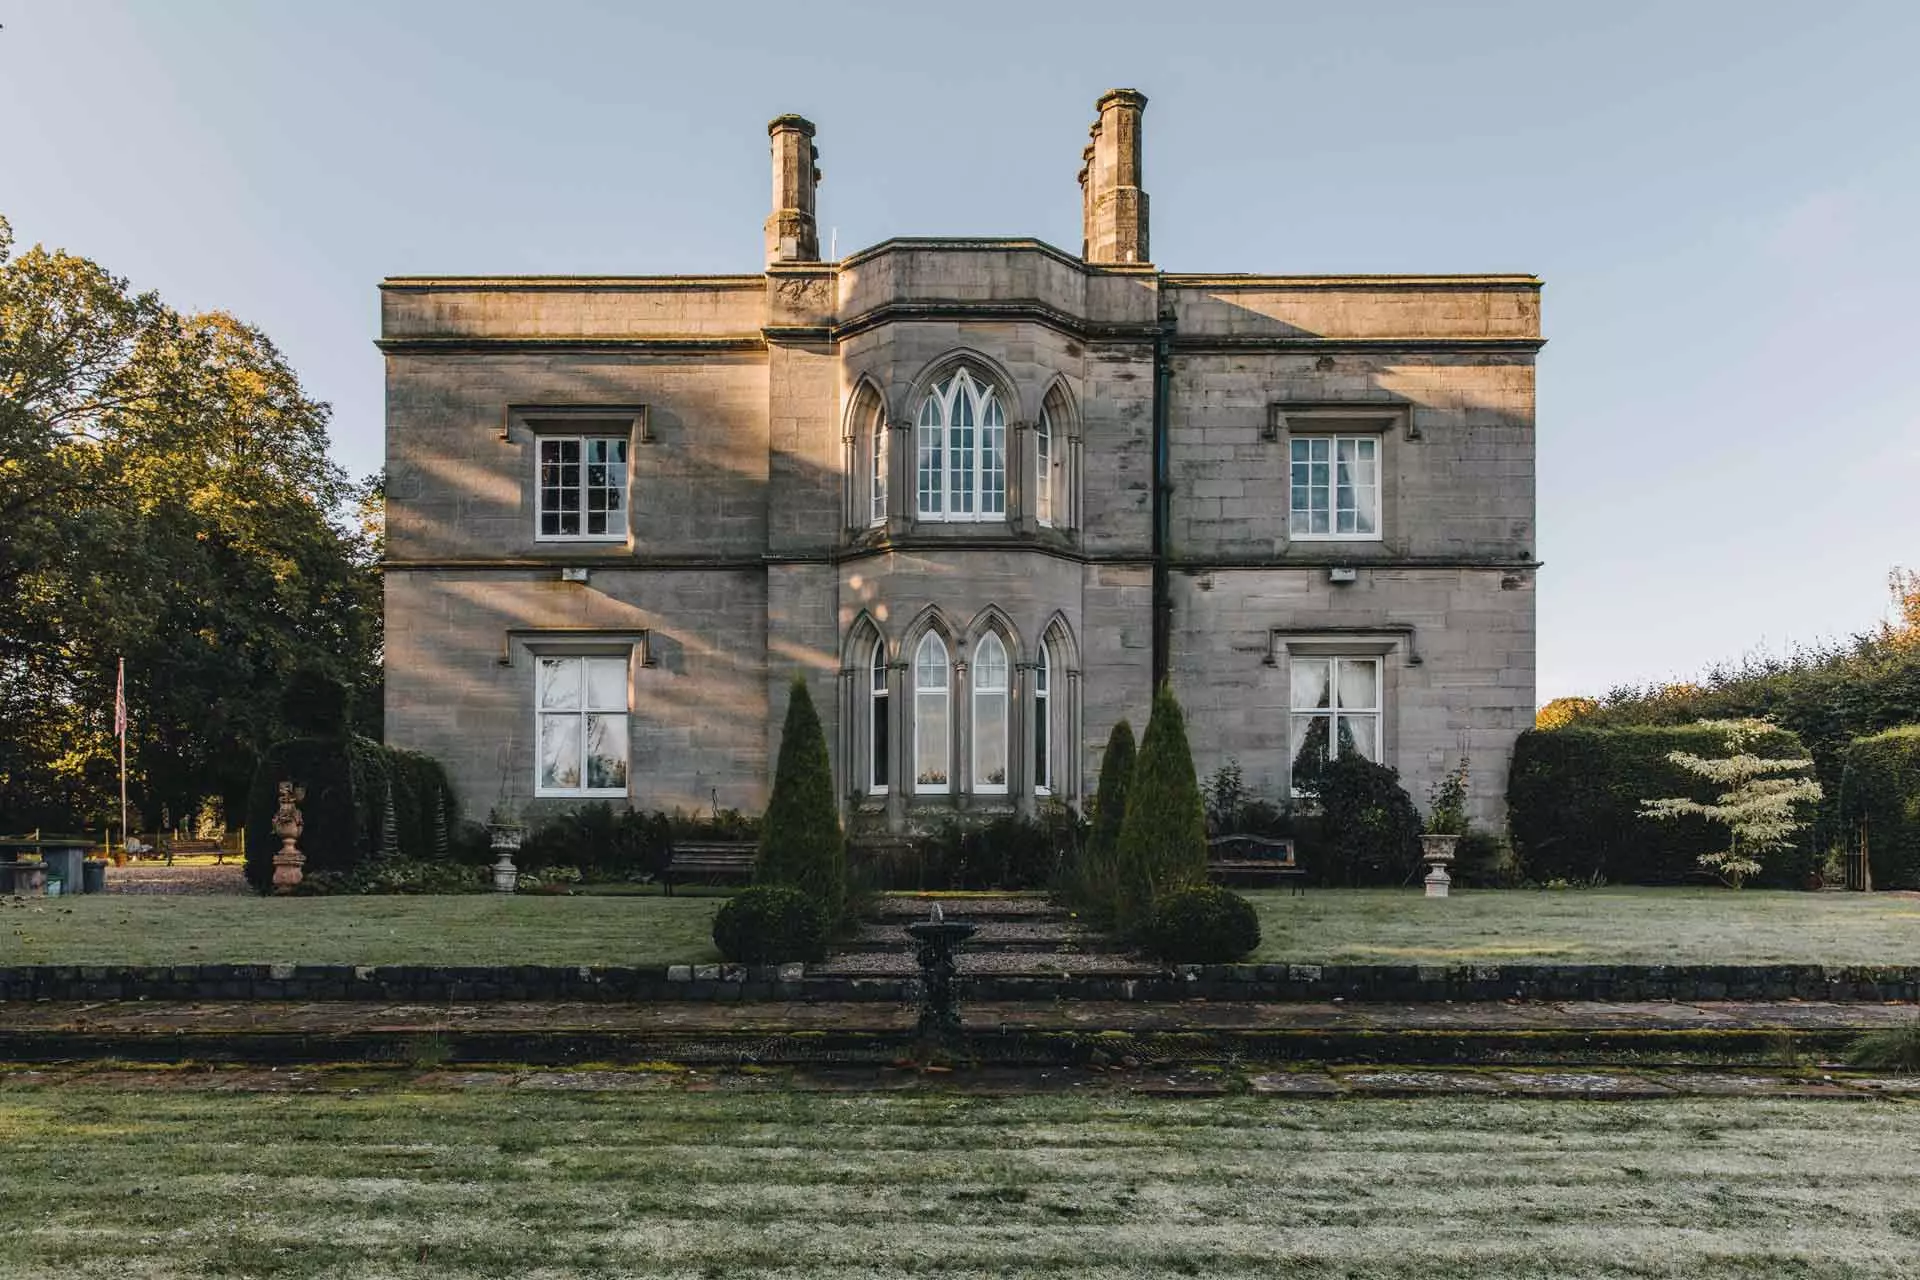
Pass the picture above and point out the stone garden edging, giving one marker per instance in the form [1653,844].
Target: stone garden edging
[716,982]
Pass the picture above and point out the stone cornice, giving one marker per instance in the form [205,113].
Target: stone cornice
[1180,564]
[1463,283]
[569,284]
[464,343]
[1192,343]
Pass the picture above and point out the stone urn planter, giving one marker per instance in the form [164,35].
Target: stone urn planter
[289,862]
[506,842]
[1437,852]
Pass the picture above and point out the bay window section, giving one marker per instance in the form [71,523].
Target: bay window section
[1335,709]
[581,709]
[990,693]
[932,728]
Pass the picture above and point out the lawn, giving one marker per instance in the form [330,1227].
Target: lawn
[461,929]
[1589,926]
[179,1182]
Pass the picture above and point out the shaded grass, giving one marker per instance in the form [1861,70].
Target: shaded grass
[1588,926]
[465,929]
[523,1183]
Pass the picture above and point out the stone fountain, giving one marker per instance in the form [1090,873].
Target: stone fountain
[934,941]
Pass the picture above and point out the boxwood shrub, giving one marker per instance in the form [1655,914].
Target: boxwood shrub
[1574,795]
[1880,786]
[1208,925]
[770,924]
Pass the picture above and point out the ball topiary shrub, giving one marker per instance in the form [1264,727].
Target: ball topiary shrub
[770,924]
[1208,925]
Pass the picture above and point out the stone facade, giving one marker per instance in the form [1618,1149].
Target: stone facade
[746,542]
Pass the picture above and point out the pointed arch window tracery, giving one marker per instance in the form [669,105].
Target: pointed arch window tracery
[961,455]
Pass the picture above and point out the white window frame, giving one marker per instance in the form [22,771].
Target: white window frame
[584,711]
[1334,711]
[1043,465]
[879,735]
[625,488]
[941,457]
[1043,723]
[1362,444]
[925,692]
[999,670]
[877,458]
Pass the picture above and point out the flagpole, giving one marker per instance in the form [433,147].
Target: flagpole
[120,723]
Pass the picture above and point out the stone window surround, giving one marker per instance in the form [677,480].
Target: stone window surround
[536,421]
[520,646]
[1387,643]
[1063,708]
[1388,420]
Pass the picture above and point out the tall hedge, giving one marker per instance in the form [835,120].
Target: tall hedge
[1880,786]
[1574,795]
[801,843]
[363,800]
[1163,839]
[1093,884]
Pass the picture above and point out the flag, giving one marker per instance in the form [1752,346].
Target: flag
[120,702]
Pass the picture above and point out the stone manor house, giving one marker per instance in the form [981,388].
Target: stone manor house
[980,493]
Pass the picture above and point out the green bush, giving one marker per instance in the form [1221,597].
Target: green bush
[1163,838]
[1368,829]
[801,843]
[770,924]
[1207,925]
[1482,860]
[363,801]
[1091,882]
[399,876]
[1574,796]
[1880,786]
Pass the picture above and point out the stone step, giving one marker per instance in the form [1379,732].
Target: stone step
[1040,964]
[902,907]
[993,935]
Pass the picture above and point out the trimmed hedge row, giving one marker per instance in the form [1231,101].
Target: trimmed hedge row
[1574,795]
[362,799]
[1880,786]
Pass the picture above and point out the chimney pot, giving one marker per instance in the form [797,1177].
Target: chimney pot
[792,233]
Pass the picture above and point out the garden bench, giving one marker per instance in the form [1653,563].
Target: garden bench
[709,860]
[1254,860]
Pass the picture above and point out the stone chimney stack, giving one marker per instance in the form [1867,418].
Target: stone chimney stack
[1113,206]
[792,233]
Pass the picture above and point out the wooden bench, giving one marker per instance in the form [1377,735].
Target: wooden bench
[709,861]
[1254,860]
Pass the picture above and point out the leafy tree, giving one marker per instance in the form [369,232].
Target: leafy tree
[801,843]
[1163,838]
[1757,807]
[167,497]
[1094,882]
[1562,712]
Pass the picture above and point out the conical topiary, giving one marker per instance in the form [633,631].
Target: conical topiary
[1163,838]
[801,843]
[1093,881]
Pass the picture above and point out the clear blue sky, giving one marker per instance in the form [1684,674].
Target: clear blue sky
[1724,200]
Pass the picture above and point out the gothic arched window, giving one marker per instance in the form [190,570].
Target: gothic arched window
[877,471]
[932,696]
[990,689]
[961,463]
[1042,721]
[877,723]
[1043,469]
